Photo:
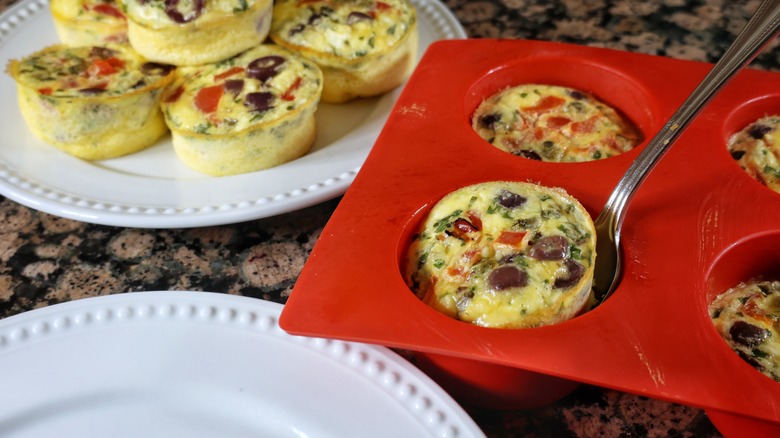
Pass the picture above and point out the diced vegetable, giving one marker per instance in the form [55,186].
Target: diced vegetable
[207,99]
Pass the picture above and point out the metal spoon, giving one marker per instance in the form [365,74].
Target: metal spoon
[762,27]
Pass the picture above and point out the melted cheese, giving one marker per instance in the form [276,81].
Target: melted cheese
[748,317]
[552,123]
[757,150]
[296,84]
[343,29]
[478,230]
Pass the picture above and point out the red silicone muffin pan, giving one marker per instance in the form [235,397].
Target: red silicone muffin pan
[697,226]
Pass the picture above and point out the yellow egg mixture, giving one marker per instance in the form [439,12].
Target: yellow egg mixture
[89,22]
[195,32]
[267,72]
[553,123]
[250,111]
[504,254]
[92,102]
[757,150]
[748,318]
[344,29]
[365,48]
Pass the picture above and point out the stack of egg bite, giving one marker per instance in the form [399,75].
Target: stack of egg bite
[236,82]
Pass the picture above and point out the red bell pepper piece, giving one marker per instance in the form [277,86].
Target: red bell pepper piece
[207,99]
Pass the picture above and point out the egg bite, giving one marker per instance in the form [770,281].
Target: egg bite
[93,102]
[747,317]
[504,254]
[194,32]
[553,123]
[89,22]
[756,149]
[365,48]
[251,112]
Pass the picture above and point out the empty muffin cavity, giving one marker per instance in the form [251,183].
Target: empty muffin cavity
[539,109]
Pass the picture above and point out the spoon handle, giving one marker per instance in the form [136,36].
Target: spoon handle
[761,28]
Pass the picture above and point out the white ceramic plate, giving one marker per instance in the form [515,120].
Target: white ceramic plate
[152,189]
[199,364]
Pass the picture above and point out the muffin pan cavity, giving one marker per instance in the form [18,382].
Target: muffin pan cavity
[696,225]
[748,111]
[743,116]
[607,83]
[751,257]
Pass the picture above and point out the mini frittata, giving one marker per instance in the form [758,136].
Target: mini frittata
[747,316]
[195,32]
[364,47]
[253,111]
[756,149]
[553,123]
[89,22]
[504,254]
[94,102]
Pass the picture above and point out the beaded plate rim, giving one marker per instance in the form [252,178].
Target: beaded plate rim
[397,379]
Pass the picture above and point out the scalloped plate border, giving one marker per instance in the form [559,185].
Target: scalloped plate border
[48,180]
[177,314]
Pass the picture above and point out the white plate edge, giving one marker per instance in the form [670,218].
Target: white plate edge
[420,396]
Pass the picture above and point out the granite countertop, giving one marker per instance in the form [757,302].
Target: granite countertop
[46,260]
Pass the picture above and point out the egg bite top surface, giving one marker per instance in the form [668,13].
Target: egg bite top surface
[756,149]
[158,14]
[246,92]
[342,33]
[504,254]
[107,72]
[747,316]
[89,22]
[553,123]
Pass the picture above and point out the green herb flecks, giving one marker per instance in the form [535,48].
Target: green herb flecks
[759,354]
[203,128]
[442,224]
[574,233]
[242,6]
[772,171]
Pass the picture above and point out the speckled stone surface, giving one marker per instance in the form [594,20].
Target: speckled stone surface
[46,260]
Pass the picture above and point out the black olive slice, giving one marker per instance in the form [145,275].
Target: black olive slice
[171,9]
[233,86]
[355,17]
[506,277]
[550,248]
[748,334]
[508,199]
[259,101]
[264,68]
[574,271]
